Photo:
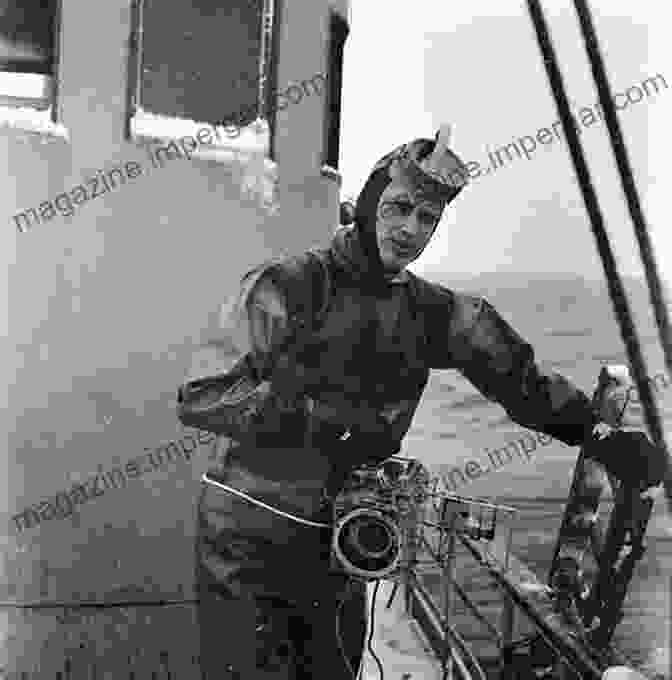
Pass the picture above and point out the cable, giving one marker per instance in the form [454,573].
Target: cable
[627,179]
[632,197]
[370,640]
[614,283]
[261,504]
[339,639]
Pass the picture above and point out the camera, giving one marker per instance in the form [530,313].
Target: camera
[376,516]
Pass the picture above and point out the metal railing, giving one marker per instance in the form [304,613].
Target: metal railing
[476,524]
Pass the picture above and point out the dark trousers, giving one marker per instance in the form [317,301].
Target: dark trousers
[267,601]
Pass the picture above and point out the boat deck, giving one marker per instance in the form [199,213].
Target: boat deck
[80,644]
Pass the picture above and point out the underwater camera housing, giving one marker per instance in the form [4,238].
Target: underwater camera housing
[376,515]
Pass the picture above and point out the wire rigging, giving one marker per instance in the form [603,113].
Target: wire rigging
[626,175]
[614,282]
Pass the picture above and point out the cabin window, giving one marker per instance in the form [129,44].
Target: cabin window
[29,39]
[338,32]
[203,65]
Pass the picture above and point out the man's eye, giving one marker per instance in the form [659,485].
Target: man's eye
[405,208]
[428,218]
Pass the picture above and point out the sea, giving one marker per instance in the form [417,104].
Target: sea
[571,324]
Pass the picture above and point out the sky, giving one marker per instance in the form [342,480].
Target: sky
[478,67]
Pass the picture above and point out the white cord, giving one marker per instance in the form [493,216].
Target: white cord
[300,520]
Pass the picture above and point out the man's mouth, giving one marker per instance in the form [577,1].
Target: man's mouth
[403,248]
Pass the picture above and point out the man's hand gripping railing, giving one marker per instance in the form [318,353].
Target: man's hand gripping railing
[592,602]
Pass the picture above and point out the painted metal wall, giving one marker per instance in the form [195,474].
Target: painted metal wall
[102,311]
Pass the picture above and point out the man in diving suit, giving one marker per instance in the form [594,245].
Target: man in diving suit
[343,397]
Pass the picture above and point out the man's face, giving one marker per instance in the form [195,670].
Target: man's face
[404,225]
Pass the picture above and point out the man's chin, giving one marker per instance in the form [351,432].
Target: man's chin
[394,262]
[396,266]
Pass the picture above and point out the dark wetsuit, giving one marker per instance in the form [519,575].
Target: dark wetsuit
[264,578]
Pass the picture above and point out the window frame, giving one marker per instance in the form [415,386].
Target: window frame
[139,122]
[40,114]
[339,30]
[273,59]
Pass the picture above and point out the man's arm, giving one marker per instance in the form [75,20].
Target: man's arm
[501,365]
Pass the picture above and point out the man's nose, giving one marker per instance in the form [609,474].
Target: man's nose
[411,224]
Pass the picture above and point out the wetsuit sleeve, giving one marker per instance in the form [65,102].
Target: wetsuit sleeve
[259,322]
[502,366]
[250,323]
